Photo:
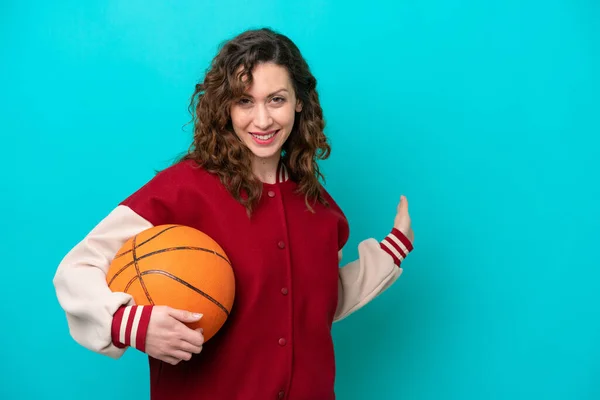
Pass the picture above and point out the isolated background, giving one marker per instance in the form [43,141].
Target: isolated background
[485,114]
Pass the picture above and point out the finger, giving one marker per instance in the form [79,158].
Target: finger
[403,205]
[181,355]
[189,348]
[192,336]
[170,360]
[184,315]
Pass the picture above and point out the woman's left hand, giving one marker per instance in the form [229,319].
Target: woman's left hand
[402,220]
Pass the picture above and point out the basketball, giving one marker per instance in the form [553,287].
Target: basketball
[179,267]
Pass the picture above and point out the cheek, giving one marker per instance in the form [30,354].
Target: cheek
[238,119]
[286,117]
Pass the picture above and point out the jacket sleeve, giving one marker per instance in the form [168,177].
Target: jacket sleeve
[375,270]
[82,290]
[99,319]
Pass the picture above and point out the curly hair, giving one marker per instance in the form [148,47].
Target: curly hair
[218,149]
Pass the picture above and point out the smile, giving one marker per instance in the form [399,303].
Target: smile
[264,137]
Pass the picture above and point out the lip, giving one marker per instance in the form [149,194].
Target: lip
[264,142]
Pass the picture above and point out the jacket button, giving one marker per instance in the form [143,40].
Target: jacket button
[271,193]
[281,394]
[284,291]
[282,342]
[281,244]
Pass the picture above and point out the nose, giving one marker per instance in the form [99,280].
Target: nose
[262,117]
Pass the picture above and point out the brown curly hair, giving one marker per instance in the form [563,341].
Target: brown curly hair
[218,149]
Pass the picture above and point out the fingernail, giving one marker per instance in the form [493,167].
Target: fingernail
[196,315]
[201,330]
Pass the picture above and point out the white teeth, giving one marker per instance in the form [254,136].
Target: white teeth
[264,137]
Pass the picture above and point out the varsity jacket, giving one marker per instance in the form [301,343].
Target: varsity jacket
[290,288]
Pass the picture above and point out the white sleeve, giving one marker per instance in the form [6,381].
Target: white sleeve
[80,281]
[375,270]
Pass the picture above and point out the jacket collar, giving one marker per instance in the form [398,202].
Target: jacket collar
[282,173]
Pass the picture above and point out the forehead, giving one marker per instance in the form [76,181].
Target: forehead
[268,78]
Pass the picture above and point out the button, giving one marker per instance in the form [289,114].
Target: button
[282,342]
[284,291]
[281,394]
[271,193]
[281,244]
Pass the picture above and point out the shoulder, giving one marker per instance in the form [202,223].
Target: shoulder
[172,193]
[332,204]
[342,221]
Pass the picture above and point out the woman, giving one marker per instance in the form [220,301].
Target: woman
[250,181]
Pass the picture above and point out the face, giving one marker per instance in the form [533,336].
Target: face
[264,117]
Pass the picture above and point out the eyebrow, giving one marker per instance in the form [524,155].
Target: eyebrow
[272,94]
[278,91]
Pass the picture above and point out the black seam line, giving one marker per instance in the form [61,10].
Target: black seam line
[147,240]
[123,268]
[137,271]
[179,280]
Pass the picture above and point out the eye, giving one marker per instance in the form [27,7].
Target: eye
[278,99]
[244,101]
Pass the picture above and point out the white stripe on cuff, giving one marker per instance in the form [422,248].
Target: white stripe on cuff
[392,249]
[399,243]
[124,324]
[136,323]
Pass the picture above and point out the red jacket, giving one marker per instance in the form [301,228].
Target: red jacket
[277,340]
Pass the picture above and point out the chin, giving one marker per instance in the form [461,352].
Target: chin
[265,153]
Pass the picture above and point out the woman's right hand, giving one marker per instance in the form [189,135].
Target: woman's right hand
[168,338]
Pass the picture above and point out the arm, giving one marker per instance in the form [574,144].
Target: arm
[107,322]
[377,267]
[84,295]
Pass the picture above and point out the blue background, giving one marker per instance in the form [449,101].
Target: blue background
[485,114]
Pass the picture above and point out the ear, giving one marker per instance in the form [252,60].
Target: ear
[298,106]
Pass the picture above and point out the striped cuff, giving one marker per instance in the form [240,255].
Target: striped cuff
[397,245]
[129,326]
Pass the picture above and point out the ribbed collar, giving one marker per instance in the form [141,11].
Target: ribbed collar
[282,173]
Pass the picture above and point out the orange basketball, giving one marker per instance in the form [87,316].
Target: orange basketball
[179,267]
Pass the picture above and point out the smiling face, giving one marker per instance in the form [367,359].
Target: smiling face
[263,117]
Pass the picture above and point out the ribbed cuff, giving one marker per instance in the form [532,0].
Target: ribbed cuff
[129,326]
[397,245]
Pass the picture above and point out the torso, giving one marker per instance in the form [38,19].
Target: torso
[285,259]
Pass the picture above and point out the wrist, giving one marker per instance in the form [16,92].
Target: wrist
[129,326]
[397,245]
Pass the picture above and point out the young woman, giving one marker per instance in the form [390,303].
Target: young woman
[250,181]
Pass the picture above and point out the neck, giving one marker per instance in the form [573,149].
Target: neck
[265,169]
